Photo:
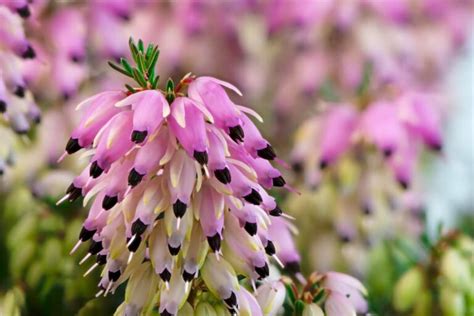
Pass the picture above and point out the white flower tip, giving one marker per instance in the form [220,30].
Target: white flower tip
[131,240]
[178,223]
[129,188]
[61,200]
[73,250]
[109,287]
[288,216]
[95,265]
[278,261]
[130,257]
[61,158]
[85,258]
[99,293]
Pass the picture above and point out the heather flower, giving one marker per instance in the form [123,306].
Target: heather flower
[396,128]
[178,185]
[331,294]
[17,107]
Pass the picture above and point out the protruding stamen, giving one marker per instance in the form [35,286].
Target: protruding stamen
[76,246]
[95,265]
[99,293]
[85,258]
[254,286]
[178,223]
[133,246]
[63,199]
[131,240]
[278,261]
[61,158]
[109,287]
[287,216]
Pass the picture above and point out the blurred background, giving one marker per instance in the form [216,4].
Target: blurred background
[335,80]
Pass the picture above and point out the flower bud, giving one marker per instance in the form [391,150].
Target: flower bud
[452,302]
[312,310]
[270,297]
[205,309]
[187,310]
[407,289]
[424,304]
[456,270]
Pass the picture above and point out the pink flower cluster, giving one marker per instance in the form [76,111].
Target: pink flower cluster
[17,106]
[396,128]
[174,177]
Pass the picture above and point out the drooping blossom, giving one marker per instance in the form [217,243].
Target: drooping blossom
[177,183]
[18,109]
[396,128]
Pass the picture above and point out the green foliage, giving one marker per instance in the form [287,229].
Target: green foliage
[145,63]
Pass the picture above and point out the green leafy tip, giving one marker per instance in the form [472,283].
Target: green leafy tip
[143,72]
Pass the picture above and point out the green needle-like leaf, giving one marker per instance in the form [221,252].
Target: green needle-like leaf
[130,88]
[117,67]
[140,46]
[138,76]
[153,59]
[126,66]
